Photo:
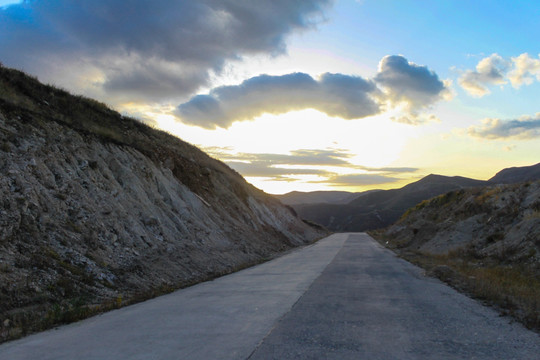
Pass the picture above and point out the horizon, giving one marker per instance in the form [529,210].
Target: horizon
[306,96]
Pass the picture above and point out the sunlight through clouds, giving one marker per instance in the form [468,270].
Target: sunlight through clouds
[266,85]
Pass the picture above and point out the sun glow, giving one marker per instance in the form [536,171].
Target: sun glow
[373,142]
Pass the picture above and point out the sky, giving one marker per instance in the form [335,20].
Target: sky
[304,95]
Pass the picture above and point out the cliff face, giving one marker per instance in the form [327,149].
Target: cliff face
[98,210]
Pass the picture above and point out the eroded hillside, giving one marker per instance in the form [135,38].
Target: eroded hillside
[485,241]
[98,210]
[497,221]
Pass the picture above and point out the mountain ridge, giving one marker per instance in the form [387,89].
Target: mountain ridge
[378,209]
[516,174]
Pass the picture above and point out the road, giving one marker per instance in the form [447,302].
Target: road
[344,297]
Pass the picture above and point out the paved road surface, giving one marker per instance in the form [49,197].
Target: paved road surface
[343,298]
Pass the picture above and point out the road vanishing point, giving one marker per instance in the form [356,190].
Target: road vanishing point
[344,297]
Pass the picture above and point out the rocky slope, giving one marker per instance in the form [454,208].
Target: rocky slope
[98,210]
[484,241]
[495,221]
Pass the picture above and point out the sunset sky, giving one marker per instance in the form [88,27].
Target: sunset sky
[304,95]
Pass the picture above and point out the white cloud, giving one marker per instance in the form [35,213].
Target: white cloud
[525,70]
[340,95]
[524,128]
[489,71]
[495,70]
[399,83]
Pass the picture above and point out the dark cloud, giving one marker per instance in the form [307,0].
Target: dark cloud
[327,157]
[263,169]
[489,71]
[283,165]
[334,94]
[495,129]
[407,83]
[345,96]
[287,167]
[162,46]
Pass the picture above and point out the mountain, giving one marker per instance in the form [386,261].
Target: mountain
[516,175]
[317,197]
[381,208]
[99,210]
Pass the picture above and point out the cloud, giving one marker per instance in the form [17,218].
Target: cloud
[284,166]
[525,128]
[316,162]
[415,119]
[329,157]
[263,169]
[403,84]
[495,70]
[345,96]
[407,83]
[524,71]
[489,71]
[509,148]
[159,48]
[298,162]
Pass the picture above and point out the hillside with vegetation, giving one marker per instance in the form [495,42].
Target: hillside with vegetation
[484,241]
[99,210]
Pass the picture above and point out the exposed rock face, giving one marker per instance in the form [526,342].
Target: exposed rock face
[99,209]
[501,222]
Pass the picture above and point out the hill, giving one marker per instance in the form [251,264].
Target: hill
[516,175]
[485,241]
[99,210]
[381,208]
[317,197]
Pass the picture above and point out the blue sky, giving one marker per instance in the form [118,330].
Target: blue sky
[305,95]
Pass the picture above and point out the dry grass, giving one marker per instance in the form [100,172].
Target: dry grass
[512,289]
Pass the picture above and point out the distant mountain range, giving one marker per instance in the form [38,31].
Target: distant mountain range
[318,197]
[516,175]
[380,208]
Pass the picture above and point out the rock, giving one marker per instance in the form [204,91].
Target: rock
[148,211]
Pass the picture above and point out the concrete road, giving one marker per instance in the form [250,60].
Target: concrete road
[342,298]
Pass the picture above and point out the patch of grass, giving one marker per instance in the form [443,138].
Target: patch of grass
[418,207]
[487,194]
[513,289]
